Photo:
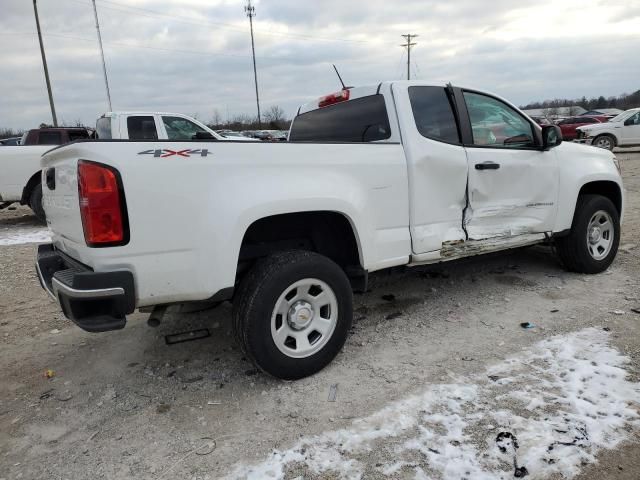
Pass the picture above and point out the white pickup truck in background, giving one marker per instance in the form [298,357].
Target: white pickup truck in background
[400,173]
[20,165]
[152,126]
[621,131]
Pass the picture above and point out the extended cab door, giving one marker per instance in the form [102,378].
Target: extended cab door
[436,162]
[513,184]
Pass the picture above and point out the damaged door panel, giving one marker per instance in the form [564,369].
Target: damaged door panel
[513,185]
[517,199]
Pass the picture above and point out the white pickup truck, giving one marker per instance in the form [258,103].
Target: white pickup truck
[400,173]
[20,165]
[621,131]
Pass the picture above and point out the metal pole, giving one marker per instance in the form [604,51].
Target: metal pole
[104,65]
[251,11]
[44,64]
[408,46]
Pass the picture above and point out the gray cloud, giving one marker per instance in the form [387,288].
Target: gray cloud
[194,56]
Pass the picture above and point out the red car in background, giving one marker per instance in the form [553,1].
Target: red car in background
[568,125]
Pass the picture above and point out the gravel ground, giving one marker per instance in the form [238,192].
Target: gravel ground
[127,405]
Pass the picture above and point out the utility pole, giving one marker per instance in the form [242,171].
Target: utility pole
[408,46]
[44,64]
[251,11]
[104,65]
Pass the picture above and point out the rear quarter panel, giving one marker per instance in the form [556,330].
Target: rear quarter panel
[188,215]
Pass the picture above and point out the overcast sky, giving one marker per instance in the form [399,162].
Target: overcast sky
[194,56]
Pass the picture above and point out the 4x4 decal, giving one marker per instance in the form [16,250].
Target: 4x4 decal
[165,152]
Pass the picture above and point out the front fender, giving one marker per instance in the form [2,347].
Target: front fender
[580,165]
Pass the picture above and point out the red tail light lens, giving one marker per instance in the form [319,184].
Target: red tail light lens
[102,205]
[341,96]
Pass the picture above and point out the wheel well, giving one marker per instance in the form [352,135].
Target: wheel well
[327,233]
[31,184]
[615,139]
[611,190]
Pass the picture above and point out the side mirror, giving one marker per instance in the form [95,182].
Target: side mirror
[551,136]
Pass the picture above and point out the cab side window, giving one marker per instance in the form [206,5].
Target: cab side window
[142,128]
[633,120]
[496,124]
[433,113]
[179,128]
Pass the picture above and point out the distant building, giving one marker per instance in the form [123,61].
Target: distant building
[603,111]
[556,113]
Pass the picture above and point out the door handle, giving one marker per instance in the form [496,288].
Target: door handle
[487,166]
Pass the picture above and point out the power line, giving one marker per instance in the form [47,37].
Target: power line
[250,10]
[119,7]
[408,46]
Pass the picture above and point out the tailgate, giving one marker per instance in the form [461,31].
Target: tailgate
[60,194]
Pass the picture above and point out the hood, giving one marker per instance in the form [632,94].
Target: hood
[572,149]
[597,126]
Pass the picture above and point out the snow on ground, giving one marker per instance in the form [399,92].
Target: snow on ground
[20,235]
[548,409]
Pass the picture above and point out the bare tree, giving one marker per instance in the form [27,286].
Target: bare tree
[275,117]
[216,119]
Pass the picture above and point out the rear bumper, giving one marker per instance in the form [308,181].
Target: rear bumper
[95,301]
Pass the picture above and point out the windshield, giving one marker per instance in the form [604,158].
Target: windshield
[620,117]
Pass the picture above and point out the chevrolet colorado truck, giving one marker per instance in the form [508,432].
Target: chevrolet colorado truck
[621,131]
[400,173]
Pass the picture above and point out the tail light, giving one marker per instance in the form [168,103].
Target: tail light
[102,205]
[341,96]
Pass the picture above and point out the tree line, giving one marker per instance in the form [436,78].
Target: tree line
[623,102]
[272,119]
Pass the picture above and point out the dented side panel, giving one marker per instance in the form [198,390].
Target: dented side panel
[518,198]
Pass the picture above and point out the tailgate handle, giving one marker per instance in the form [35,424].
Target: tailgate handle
[50,177]
[487,166]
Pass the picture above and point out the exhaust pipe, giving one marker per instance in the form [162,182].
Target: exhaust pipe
[156,315]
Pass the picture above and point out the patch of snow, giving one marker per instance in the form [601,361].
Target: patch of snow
[19,236]
[556,405]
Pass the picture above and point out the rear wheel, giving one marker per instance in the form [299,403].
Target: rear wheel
[35,203]
[593,242]
[604,141]
[292,313]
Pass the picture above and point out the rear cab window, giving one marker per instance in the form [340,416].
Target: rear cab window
[142,128]
[78,135]
[360,120]
[50,138]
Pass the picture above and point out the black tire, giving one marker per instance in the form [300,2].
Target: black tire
[606,141]
[35,203]
[573,249]
[256,299]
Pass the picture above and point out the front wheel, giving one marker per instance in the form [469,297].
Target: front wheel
[592,244]
[292,313]
[604,141]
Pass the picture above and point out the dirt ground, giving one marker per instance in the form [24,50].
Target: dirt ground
[127,405]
